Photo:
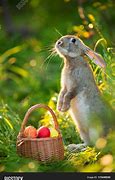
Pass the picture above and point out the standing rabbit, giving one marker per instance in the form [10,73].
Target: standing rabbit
[79,93]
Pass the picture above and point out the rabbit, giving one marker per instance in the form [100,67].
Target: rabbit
[79,93]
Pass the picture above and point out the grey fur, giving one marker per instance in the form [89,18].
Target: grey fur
[79,93]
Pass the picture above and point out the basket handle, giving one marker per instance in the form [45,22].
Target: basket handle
[30,110]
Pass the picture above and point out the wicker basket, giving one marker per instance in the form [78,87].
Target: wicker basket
[42,149]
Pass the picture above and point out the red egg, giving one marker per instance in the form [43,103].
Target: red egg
[43,132]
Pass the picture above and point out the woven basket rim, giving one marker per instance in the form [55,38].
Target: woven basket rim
[39,139]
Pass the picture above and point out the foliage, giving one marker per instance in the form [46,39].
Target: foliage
[91,160]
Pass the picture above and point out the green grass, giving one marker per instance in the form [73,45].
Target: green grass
[90,160]
[10,161]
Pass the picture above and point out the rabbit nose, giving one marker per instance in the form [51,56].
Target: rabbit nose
[59,43]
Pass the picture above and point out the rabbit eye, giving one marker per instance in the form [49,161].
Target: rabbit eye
[73,40]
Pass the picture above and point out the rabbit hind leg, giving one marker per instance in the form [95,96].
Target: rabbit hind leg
[76,147]
[83,146]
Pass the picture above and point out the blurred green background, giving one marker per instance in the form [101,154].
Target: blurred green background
[30,74]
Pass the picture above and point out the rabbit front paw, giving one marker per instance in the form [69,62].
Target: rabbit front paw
[59,105]
[64,100]
[61,99]
[65,107]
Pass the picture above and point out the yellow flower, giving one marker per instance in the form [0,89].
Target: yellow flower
[91,17]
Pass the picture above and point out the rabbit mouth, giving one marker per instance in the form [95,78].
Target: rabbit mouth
[72,54]
[64,52]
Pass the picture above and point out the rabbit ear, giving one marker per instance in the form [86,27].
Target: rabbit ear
[95,57]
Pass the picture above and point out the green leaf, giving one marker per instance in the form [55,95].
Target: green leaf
[8,122]
[9,52]
[20,71]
